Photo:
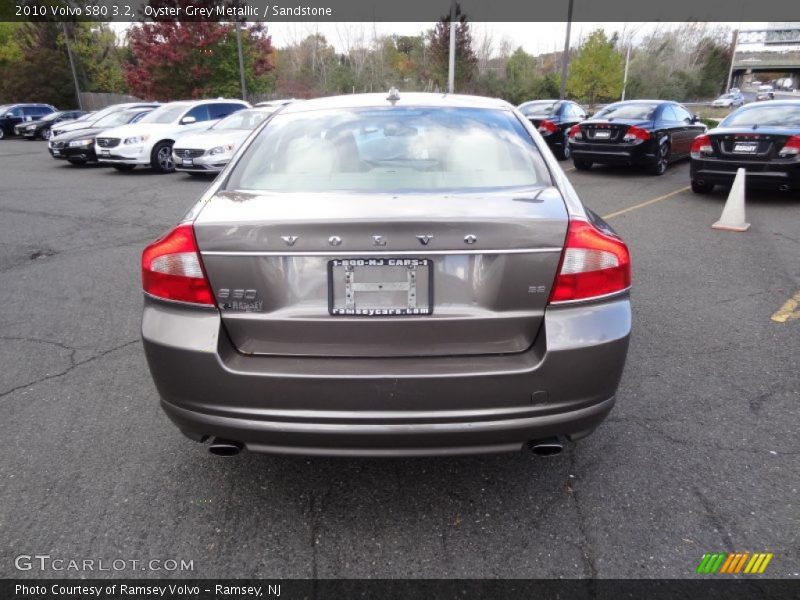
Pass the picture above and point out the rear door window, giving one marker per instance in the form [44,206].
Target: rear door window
[223,109]
[200,113]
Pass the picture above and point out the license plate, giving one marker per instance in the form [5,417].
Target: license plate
[105,152]
[188,162]
[602,134]
[745,148]
[56,152]
[375,287]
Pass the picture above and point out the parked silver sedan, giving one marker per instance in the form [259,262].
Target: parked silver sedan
[202,152]
[409,274]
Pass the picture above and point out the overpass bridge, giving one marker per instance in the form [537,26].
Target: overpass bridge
[772,53]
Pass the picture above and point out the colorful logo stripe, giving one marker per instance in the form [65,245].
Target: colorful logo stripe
[732,563]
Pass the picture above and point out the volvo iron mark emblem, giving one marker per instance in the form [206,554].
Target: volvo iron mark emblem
[290,239]
[335,240]
[424,239]
[378,240]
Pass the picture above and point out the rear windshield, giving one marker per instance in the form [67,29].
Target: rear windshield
[782,115]
[391,149]
[627,111]
[539,109]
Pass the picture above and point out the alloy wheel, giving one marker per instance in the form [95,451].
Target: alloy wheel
[165,159]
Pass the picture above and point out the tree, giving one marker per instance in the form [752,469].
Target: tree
[98,58]
[37,70]
[194,59]
[596,72]
[439,52]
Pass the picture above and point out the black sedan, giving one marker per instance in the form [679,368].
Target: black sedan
[78,146]
[762,138]
[648,133]
[41,129]
[553,118]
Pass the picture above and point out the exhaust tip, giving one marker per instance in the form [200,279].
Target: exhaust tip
[784,188]
[221,447]
[701,182]
[547,447]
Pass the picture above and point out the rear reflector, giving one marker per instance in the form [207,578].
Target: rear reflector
[593,264]
[791,147]
[172,269]
[701,145]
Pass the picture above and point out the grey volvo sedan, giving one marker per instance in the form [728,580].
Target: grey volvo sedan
[409,274]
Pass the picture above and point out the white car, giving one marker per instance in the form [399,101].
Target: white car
[210,150]
[276,104]
[728,100]
[149,142]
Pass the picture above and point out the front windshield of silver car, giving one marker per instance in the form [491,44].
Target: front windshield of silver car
[391,149]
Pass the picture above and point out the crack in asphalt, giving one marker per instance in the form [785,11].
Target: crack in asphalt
[714,519]
[315,508]
[73,364]
[586,548]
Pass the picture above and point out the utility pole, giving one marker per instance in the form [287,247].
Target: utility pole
[625,76]
[241,62]
[733,57]
[565,56]
[72,66]
[451,69]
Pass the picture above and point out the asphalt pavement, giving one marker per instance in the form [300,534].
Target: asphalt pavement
[701,453]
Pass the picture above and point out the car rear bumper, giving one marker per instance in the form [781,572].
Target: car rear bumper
[613,154]
[766,175]
[563,385]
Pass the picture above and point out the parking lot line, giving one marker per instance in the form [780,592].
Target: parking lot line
[646,203]
[789,311]
[568,170]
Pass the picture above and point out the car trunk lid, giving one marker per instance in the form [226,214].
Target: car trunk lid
[481,264]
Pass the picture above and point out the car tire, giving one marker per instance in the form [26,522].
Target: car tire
[161,158]
[124,167]
[662,161]
[564,153]
[76,161]
[582,165]
[2,133]
[702,188]
[45,135]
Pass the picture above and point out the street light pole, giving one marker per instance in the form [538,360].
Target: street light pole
[625,76]
[72,66]
[241,62]
[733,57]
[451,68]
[565,56]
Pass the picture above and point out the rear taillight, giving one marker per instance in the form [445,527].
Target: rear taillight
[701,145]
[172,269]
[574,133]
[636,134]
[791,147]
[547,127]
[593,264]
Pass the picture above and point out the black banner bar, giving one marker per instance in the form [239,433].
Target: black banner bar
[405,589]
[405,11]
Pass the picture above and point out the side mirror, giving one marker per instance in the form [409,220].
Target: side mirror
[188,120]
[695,118]
[589,114]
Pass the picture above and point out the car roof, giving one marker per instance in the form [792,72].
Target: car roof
[404,99]
[39,104]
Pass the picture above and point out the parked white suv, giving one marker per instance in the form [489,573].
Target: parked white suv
[149,142]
